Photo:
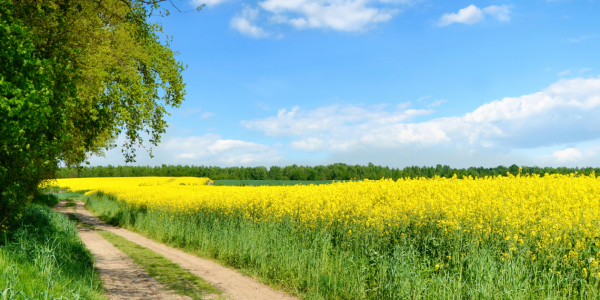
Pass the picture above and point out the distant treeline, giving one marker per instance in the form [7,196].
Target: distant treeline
[337,171]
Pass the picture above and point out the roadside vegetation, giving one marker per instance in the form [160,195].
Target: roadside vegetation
[74,75]
[158,267]
[64,59]
[163,270]
[42,257]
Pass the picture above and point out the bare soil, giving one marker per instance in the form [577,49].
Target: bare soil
[233,284]
[122,278]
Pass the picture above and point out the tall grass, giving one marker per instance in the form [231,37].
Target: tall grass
[324,264]
[43,258]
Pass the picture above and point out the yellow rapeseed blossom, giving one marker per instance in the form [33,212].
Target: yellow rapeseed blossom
[543,211]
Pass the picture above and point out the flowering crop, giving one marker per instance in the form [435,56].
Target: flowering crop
[556,217]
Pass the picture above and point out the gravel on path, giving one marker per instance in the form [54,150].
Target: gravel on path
[234,285]
[122,278]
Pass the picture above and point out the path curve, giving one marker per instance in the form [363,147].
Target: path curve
[122,278]
[233,284]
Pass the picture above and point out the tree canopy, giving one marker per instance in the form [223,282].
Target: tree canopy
[75,74]
[337,171]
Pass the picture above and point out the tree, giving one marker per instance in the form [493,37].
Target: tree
[74,74]
[31,88]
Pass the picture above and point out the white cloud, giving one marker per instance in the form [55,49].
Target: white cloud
[207,115]
[569,71]
[473,14]
[565,112]
[500,13]
[308,145]
[210,148]
[560,120]
[468,15]
[582,38]
[335,118]
[262,106]
[341,15]
[209,3]
[584,154]
[437,102]
[244,23]
[207,149]
[404,2]
[569,154]
[189,111]
[563,73]
[192,111]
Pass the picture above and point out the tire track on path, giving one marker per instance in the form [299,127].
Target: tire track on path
[122,278]
[233,284]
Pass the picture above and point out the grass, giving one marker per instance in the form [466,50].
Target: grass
[158,267]
[318,265]
[69,195]
[163,270]
[42,257]
[70,203]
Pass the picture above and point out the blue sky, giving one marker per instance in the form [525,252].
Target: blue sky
[393,82]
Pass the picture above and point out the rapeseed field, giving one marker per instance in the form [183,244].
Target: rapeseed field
[506,237]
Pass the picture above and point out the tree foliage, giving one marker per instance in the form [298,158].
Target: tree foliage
[294,172]
[74,74]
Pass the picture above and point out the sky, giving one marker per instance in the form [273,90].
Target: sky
[393,82]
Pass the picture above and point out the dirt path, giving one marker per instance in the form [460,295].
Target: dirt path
[122,278]
[233,284]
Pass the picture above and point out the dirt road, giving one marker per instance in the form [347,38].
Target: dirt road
[233,284]
[122,278]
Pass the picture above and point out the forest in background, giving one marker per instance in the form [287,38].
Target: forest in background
[338,171]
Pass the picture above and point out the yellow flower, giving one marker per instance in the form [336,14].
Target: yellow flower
[550,213]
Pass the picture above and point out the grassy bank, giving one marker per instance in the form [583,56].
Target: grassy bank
[43,258]
[418,263]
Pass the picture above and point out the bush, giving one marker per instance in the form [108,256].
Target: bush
[43,258]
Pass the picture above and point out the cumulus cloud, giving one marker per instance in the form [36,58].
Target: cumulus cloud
[212,148]
[341,15]
[565,112]
[473,14]
[207,149]
[468,15]
[559,121]
[339,119]
[308,145]
[569,154]
[245,23]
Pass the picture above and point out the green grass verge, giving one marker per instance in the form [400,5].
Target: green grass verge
[42,257]
[163,270]
[158,267]
[271,182]
[69,195]
[70,202]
